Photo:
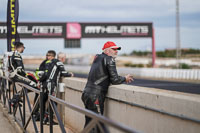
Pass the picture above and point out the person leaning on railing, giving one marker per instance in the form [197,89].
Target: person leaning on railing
[102,73]
[17,72]
[16,66]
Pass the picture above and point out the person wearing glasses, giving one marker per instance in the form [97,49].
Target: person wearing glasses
[44,66]
[54,69]
[40,75]
[103,72]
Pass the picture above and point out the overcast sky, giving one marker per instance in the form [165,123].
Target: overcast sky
[160,12]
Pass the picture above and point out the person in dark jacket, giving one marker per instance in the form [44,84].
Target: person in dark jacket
[102,73]
[17,72]
[53,71]
[40,77]
[56,69]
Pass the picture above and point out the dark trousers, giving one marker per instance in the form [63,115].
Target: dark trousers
[89,101]
[45,98]
[47,86]
[35,99]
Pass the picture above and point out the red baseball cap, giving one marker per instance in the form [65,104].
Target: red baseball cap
[110,44]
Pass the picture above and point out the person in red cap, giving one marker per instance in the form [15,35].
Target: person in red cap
[110,48]
[103,72]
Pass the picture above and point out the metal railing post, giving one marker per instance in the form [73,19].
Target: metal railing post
[50,118]
[29,106]
[1,87]
[53,106]
[24,108]
[4,97]
[13,92]
[9,97]
[41,110]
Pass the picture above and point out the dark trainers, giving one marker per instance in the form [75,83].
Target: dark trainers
[46,120]
[16,100]
[55,123]
[36,117]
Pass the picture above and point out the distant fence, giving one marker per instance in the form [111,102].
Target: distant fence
[161,73]
[180,74]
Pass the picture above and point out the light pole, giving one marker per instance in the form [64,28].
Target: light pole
[178,41]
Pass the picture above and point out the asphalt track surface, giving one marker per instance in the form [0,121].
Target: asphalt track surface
[193,88]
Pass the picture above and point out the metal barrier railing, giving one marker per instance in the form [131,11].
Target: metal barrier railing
[5,92]
[5,97]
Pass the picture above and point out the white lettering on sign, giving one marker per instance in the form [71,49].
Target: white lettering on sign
[35,29]
[3,29]
[114,29]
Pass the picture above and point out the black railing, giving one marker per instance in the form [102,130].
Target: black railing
[5,93]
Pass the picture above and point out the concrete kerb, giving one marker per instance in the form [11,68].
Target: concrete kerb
[10,119]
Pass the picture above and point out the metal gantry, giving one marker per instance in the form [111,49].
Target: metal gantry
[178,40]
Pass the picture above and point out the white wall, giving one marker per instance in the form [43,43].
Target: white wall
[144,120]
[153,73]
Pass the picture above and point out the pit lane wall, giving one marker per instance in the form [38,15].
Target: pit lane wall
[152,73]
[189,75]
[123,105]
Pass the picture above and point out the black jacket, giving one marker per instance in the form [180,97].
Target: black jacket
[16,64]
[44,67]
[55,70]
[102,73]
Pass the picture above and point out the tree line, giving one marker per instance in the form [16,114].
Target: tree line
[169,53]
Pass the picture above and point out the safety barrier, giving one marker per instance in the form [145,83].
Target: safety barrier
[5,97]
[145,109]
[161,73]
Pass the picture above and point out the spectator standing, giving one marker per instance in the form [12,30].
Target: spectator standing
[103,72]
